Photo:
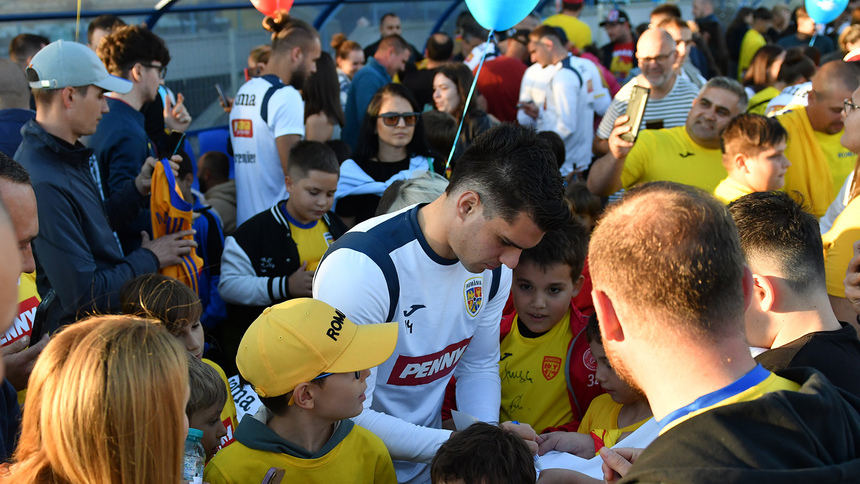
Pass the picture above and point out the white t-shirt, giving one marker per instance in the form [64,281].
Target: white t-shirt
[791,96]
[256,120]
[449,326]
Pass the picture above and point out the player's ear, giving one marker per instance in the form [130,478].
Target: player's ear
[764,292]
[468,203]
[609,323]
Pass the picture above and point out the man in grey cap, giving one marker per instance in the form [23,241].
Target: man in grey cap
[77,252]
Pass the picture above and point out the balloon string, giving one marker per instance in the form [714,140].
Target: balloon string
[78,22]
[468,100]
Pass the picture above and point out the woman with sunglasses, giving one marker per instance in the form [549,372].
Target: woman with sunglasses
[391,146]
[450,90]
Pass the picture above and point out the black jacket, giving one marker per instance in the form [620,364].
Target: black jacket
[77,253]
[808,436]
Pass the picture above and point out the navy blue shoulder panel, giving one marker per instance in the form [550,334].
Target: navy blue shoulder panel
[494,285]
[276,83]
[377,244]
[565,64]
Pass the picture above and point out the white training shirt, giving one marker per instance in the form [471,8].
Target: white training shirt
[448,326]
[263,110]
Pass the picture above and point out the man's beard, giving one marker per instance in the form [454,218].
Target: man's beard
[297,80]
[621,370]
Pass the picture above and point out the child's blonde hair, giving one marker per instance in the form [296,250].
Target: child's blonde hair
[162,298]
[207,387]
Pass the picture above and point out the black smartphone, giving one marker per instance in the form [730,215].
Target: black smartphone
[635,111]
[221,95]
[39,328]
[274,476]
[173,143]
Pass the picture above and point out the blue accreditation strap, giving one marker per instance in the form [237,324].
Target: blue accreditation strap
[744,383]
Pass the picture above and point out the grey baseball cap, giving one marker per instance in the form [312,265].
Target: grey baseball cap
[62,64]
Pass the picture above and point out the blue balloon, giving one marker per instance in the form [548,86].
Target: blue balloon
[501,14]
[823,11]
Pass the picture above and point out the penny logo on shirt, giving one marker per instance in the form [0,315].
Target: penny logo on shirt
[243,128]
[550,367]
[473,292]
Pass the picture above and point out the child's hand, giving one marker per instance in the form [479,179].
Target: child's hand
[300,283]
[581,445]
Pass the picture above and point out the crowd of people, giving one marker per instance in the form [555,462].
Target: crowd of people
[418,284]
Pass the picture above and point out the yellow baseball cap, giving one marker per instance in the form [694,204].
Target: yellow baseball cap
[297,340]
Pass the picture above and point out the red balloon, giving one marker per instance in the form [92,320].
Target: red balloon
[272,8]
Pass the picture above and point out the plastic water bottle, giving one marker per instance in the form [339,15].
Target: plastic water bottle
[195,457]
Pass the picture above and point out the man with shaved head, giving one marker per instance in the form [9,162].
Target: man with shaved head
[820,164]
[671,95]
[14,106]
[679,337]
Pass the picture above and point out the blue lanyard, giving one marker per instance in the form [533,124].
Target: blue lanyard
[744,383]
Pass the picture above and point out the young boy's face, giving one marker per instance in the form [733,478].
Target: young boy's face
[192,337]
[542,297]
[620,391]
[208,421]
[312,196]
[766,170]
[341,396]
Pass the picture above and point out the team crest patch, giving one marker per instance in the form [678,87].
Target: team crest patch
[550,366]
[243,128]
[589,361]
[473,293]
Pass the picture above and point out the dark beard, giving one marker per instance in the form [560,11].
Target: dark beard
[297,80]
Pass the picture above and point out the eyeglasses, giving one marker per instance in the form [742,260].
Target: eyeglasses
[162,70]
[659,59]
[392,119]
[848,106]
[326,375]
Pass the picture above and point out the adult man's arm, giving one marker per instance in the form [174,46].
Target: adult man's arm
[286,119]
[604,179]
[479,389]
[284,144]
[352,283]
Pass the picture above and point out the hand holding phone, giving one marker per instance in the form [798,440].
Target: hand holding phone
[635,112]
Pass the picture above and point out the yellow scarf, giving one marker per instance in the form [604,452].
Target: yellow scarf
[809,173]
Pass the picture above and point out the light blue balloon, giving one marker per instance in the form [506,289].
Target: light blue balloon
[501,14]
[823,11]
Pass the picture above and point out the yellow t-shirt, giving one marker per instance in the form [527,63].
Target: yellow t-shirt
[730,190]
[602,419]
[751,43]
[839,247]
[758,103]
[312,240]
[577,31]
[534,385]
[360,457]
[839,158]
[228,415]
[770,384]
[671,155]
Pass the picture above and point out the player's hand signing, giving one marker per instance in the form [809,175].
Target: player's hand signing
[581,445]
[617,146]
[529,108]
[617,462]
[300,283]
[525,431]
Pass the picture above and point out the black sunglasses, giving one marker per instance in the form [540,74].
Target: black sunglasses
[391,119]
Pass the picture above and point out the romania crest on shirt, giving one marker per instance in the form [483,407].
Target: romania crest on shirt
[473,293]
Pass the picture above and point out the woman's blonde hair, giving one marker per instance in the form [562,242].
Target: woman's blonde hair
[164,299]
[105,404]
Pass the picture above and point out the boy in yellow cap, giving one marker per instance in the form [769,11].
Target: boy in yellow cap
[308,363]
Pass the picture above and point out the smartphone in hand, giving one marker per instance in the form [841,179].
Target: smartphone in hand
[635,111]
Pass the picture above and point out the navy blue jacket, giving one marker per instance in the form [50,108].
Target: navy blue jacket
[11,121]
[364,85]
[77,252]
[121,146]
[10,420]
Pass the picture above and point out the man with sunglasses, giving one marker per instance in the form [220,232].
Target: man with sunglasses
[120,143]
[671,96]
[437,270]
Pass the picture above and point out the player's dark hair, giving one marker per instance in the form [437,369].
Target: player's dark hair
[306,156]
[513,171]
[483,453]
[774,227]
[13,171]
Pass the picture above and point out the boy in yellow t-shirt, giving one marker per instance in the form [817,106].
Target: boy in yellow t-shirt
[610,417]
[206,400]
[309,364]
[753,149]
